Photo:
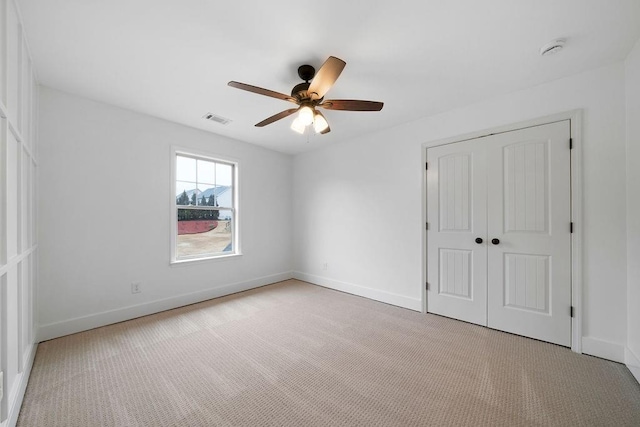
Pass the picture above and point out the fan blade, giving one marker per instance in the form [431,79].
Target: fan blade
[261,91]
[326,77]
[351,105]
[276,117]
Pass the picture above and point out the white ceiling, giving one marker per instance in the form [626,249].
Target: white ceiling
[173,59]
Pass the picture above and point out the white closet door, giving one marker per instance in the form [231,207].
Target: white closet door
[529,213]
[456,212]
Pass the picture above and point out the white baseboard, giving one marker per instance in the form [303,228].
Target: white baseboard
[84,323]
[604,349]
[374,294]
[23,380]
[633,363]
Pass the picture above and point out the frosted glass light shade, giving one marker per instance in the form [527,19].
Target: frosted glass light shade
[305,115]
[298,126]
[319,123]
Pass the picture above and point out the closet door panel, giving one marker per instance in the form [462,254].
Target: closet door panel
[529,214]
[456,212]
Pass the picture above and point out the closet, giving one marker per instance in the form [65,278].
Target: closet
[499,231]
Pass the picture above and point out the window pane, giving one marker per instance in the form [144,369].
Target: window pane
[224,175]
[207,197]
[185,169]
[224,196]
[203,232]
[206,172]
[185,193]
[225,230]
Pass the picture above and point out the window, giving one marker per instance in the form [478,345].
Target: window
[204,212]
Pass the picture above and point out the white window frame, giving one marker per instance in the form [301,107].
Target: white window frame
[235,234]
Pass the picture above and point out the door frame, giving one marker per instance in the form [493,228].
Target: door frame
[575,120]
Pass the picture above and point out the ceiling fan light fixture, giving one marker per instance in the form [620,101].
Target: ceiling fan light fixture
[305,115]
[319,123]
[298,126]
[309,95]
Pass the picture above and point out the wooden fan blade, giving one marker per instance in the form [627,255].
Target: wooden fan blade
[261,91]
[326,77]
[276,117]
[351,105]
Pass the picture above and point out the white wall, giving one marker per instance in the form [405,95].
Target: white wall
[357,206]
[96,236]
[18,243]
[633,209]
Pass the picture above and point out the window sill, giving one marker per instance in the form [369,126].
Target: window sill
[185,262]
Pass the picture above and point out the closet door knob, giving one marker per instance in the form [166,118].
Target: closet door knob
[479,240]
[495,241]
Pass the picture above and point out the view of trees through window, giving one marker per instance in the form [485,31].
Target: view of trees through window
[204,207]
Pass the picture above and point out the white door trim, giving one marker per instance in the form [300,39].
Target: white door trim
[575,117]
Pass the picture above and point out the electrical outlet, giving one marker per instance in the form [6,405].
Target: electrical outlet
[136,287]
[325,266]
[1,384]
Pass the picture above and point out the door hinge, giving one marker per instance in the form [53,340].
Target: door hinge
[426,166]
[426,226]
[570,143]
[571,311]
[571,227]
[427,285]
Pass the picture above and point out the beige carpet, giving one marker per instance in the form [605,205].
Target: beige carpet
[294,354]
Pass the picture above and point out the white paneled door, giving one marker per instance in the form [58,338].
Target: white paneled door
[517,199]
[457,212]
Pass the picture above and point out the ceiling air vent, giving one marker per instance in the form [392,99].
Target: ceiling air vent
[218,119]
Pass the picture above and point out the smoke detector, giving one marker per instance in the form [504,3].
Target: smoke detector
[552,47]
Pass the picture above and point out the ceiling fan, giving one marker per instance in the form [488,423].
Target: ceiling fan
[309,95]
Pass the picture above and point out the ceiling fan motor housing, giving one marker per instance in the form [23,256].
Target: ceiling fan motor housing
[302,87]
